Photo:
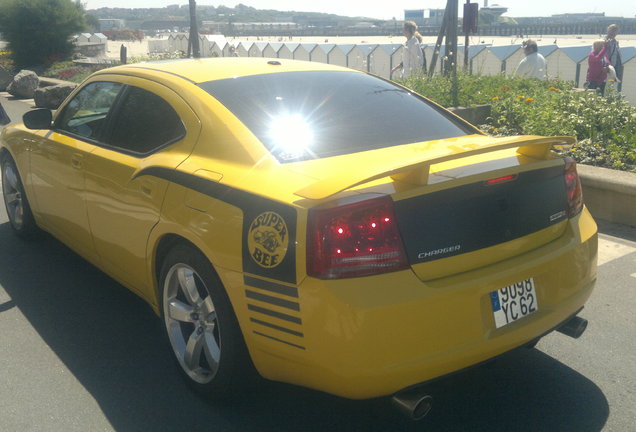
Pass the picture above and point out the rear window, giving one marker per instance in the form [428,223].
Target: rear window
[305,115]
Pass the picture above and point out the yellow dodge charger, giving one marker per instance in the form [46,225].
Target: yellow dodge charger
[319,225]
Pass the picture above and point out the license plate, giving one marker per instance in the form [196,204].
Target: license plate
[514,302]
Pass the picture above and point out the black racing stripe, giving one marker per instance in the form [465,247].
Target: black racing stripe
[275,327]
[235,197]
[274,314]
[279,340]
[272,300]
[252,205]
[271,286]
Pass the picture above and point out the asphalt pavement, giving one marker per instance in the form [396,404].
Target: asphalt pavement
[78,352]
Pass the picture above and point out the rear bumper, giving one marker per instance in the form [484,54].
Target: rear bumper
[374,336]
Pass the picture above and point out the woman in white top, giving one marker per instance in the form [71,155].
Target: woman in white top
[412,55]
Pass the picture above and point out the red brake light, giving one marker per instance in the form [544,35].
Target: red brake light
[358,239]
[573,188]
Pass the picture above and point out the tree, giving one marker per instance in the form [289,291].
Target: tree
[39,31]
[92,23]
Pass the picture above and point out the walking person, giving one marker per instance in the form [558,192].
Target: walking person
[597,63]
[412,56]
[614,51]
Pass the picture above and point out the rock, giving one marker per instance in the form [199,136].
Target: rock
[24,84]
[5,78]
[52,96]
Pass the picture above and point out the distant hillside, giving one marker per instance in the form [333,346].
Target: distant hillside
[239,13]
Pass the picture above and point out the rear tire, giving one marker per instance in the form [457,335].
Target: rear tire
[15,199]
[201,327]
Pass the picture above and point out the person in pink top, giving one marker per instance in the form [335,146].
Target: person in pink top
[597,63]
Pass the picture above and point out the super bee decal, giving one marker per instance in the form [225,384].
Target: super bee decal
[267,239]
[269,227]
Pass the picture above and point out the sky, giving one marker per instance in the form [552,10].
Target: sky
[387,9]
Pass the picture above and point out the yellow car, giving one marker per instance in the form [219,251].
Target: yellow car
[319,225]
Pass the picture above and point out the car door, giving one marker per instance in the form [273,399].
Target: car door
[58,160]
[152,126]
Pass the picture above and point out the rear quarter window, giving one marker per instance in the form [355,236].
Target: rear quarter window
[316,114]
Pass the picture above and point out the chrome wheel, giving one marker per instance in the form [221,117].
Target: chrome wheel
[191,323]
[12,192]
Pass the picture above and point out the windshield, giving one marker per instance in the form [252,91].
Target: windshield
[316,114]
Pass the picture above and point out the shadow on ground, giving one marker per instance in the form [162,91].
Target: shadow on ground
[112,343]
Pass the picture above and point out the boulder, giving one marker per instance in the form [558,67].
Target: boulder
[52,96]
[24,84]
[5,78]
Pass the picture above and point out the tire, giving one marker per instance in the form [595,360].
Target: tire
[201,327]
[15,199]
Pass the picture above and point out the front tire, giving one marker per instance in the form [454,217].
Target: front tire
[15,199]
[201,327]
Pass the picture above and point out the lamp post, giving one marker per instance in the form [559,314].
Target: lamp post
[193,41]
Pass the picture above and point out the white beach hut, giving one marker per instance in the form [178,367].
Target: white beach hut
[256,50]
[98,38]
[302,51]
[287,50]
[474,52]
[339,55]
[243,48]
[207,42]
[571,64]
[83,38]
[359,57]
[628,54]
[551,54]
[271,50]
[499,59]
[321,52]
[215,49]
[383,58]
[178,42]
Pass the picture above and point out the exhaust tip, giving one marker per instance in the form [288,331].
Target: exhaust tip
[415,403]
[573,327]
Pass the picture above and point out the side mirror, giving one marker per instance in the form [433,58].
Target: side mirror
[4,117]
[41,118]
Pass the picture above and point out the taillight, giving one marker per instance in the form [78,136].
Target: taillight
[352,240]
[573,188]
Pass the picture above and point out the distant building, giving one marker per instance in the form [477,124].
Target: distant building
[433,17]
[111,23]
[415,15]
[569,17]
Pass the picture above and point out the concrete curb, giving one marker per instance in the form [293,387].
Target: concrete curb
[609,194]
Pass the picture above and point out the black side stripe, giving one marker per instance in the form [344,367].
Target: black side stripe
[272,300]
[271,286]
[275,327]
[235,197]
[279,340]
[274,314]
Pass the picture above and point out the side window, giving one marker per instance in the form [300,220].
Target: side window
[85,115]
[144,122]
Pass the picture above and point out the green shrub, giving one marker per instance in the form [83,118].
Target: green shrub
[604,126]
[38,31]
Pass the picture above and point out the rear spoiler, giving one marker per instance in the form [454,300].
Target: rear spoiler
[417,172]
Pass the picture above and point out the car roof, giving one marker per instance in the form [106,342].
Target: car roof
[210,69]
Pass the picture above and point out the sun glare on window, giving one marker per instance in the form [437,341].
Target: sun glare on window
[291,135]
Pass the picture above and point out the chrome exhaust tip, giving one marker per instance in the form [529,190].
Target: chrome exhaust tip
[574,327]
[413,403]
